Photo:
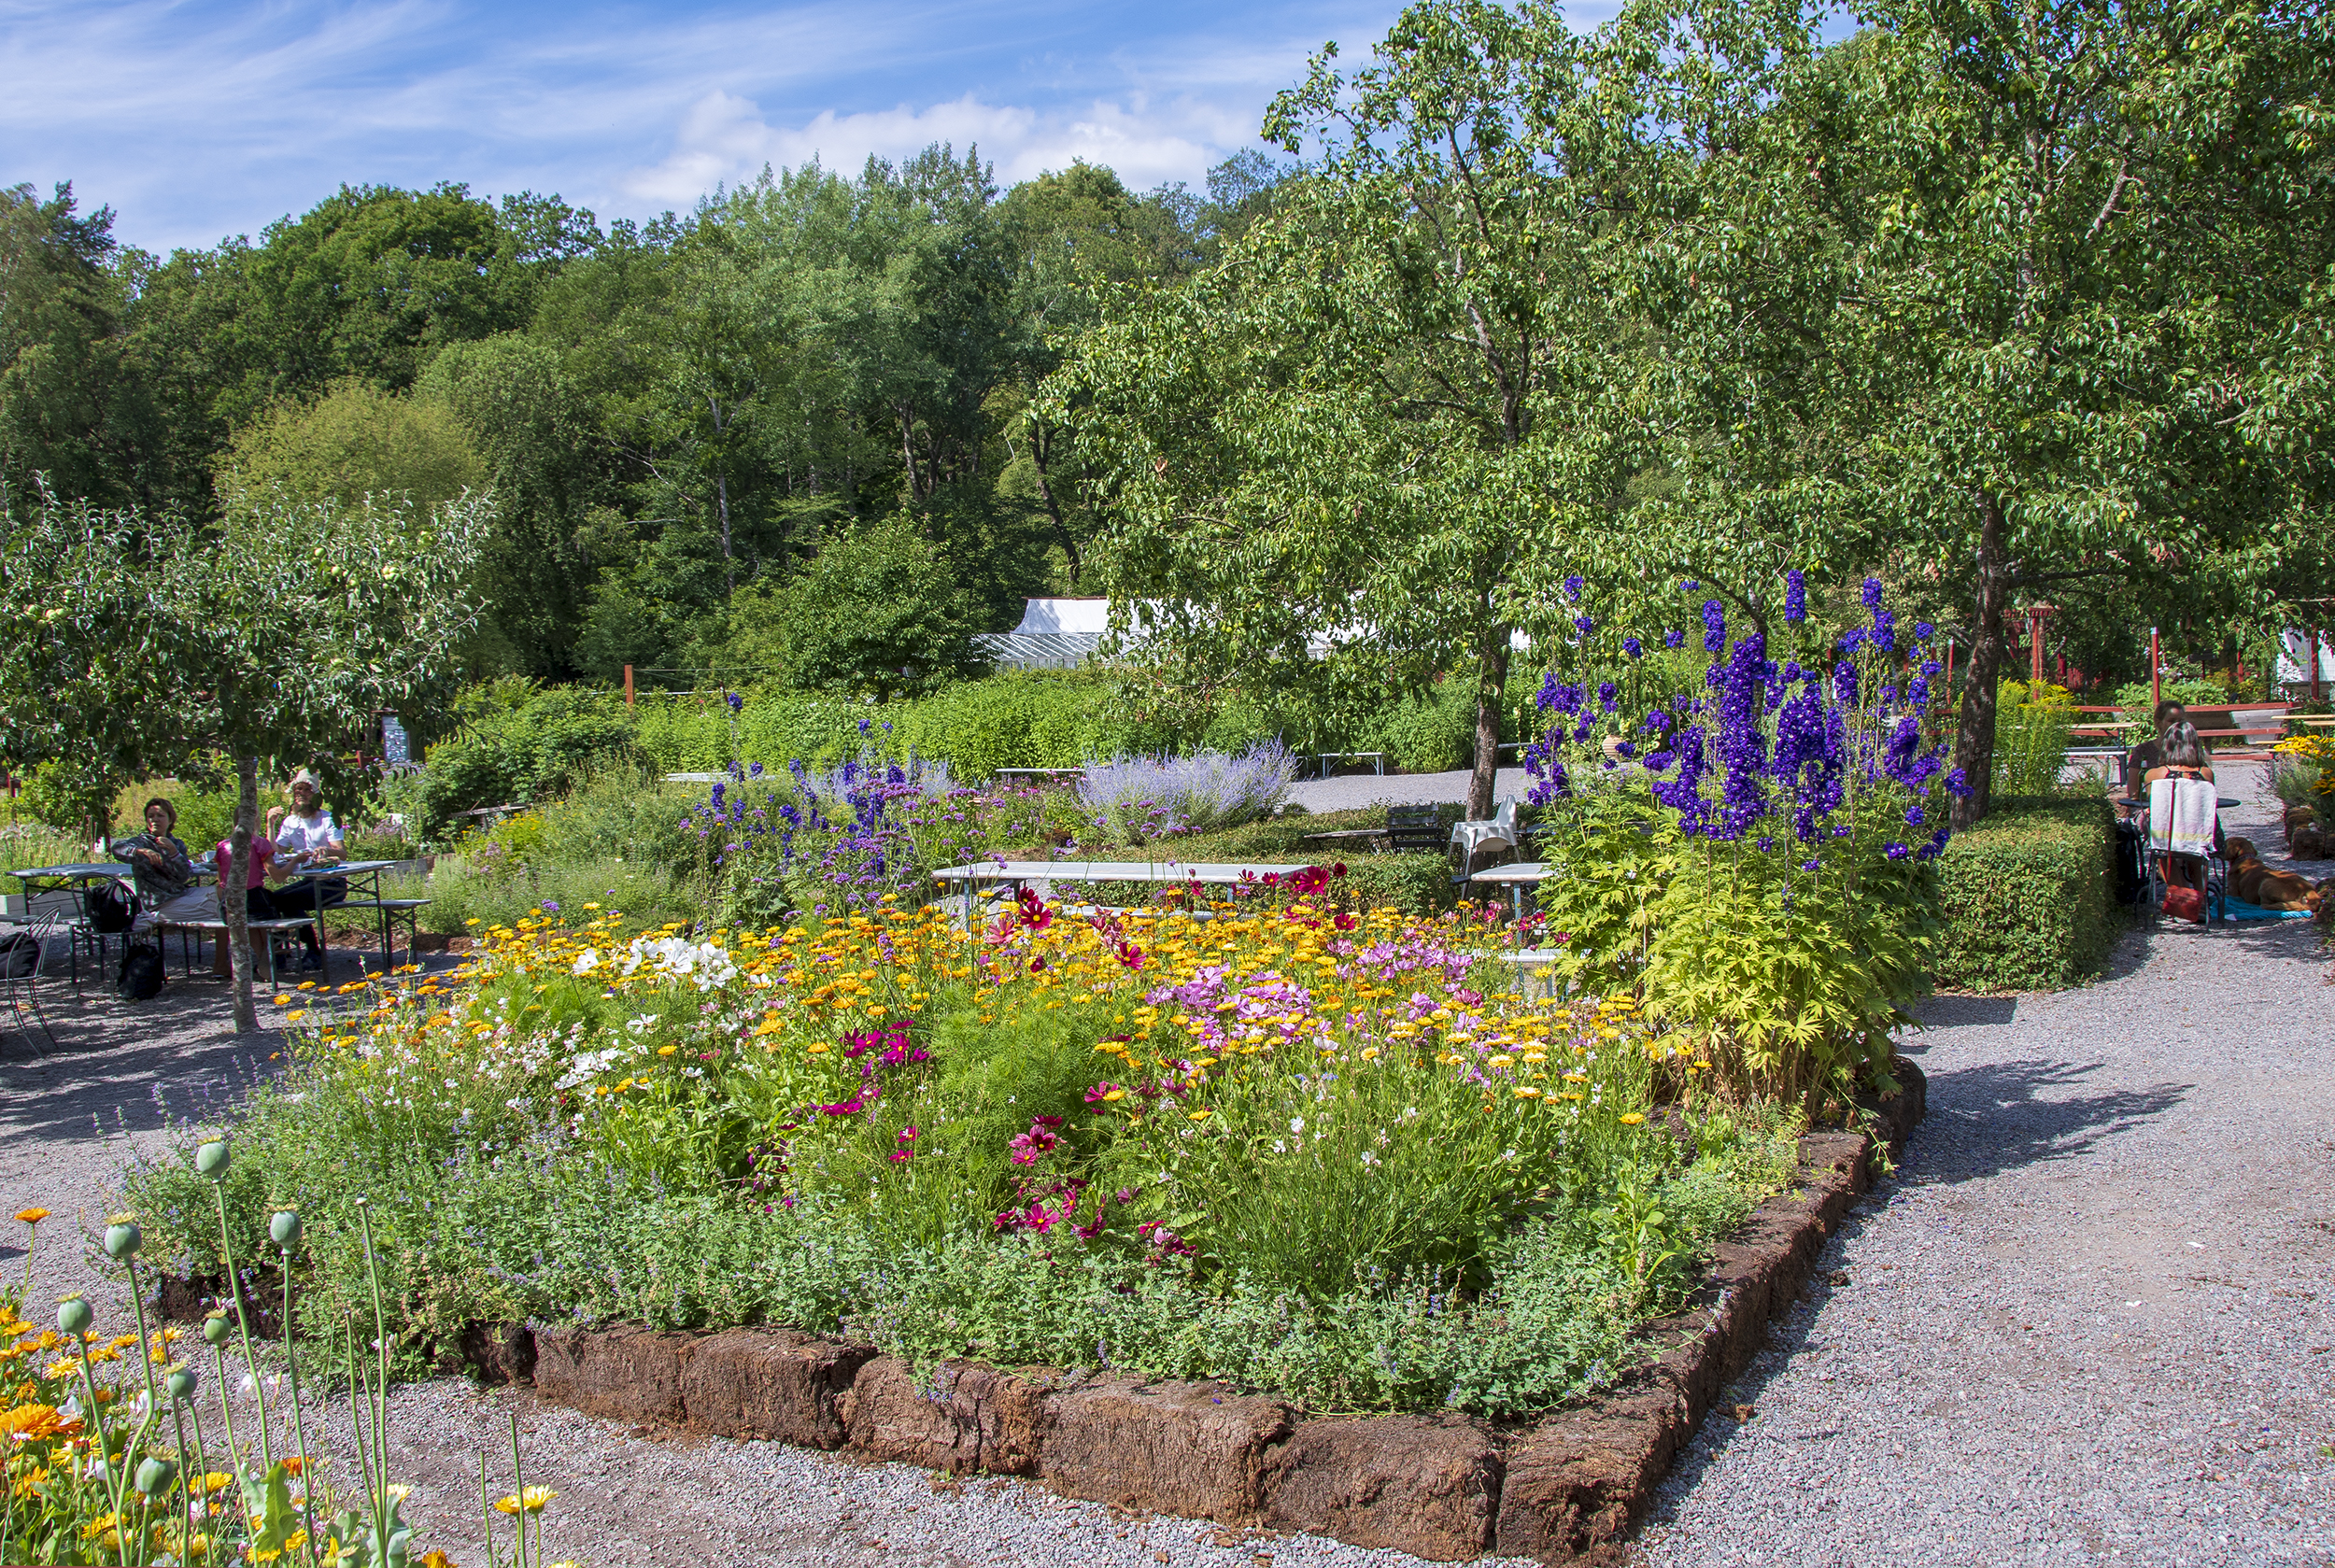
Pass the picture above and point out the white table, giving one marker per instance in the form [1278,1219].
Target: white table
[1517,875]
[1165,872]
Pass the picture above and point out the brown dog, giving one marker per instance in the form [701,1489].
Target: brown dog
[2308,844]
[2257,885]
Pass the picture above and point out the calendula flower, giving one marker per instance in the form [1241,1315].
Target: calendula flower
[1631,1119]
[532,1499]
[32,1216]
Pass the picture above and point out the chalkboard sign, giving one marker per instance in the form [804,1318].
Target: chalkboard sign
[394,750]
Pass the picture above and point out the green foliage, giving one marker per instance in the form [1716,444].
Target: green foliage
[206,816]
[1015,719]
[1433,734]
[354,441]
[2135,696]
[2029,898]
[1615,852]
[2031,742]
[516,742]
[877,612]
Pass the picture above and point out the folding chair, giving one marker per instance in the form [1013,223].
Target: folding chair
[26,987]
[2184,822]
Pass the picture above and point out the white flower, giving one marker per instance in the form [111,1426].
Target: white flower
[1296,1123]
[587,960]
[1279,1148]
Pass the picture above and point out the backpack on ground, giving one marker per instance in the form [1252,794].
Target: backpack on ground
[141,972]
[2132,862]
[20,956]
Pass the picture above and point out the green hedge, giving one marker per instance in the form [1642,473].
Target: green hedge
[2029,897]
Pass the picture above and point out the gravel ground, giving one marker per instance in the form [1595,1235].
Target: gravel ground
[1350,791]
[2091,1321]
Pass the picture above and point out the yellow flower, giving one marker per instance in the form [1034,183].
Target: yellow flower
[32,1216]
[1631,1119]
[532,1499]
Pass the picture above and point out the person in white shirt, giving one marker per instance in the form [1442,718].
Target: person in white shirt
[310,837]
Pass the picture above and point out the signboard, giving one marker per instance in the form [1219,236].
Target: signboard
[395,748]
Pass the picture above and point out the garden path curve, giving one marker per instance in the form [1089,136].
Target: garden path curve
[2091,1321]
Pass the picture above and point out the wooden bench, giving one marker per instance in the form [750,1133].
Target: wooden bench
[218,929]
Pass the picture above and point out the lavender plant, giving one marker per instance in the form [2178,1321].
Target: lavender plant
[1775,822]
[1147,798]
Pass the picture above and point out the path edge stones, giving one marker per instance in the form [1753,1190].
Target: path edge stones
[1566,1489]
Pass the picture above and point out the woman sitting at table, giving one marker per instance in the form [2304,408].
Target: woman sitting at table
[163,874]
[258,903]
[307,839]
[2183,756]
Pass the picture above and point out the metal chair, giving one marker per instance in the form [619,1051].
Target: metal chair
[1497,832]
[2166,845]
[1413,828]
[25,987]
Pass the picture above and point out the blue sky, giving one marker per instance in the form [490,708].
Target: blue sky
[196,119]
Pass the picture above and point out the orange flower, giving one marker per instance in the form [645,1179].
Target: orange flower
[32,1216]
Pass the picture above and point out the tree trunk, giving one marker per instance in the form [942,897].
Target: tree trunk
[1492,685]
[730,566]
[1973,736]
[234,906]
[1037,445]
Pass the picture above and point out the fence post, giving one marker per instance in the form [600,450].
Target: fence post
[2155,678]
[627,685]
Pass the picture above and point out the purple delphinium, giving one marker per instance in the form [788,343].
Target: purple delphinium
[1714,626]
[1795,596]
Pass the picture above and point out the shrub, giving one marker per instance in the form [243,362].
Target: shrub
[1424,735]
[1019,719]
[878,611]
[2031,743]
[1148,797]
[2028,896]
[517,743]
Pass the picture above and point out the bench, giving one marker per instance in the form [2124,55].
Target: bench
[1410,828]
[391,910]
[1375,759]
[218,929]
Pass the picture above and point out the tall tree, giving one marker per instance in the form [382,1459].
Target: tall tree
[155,649]
[1381,428]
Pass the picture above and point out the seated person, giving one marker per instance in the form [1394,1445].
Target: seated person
[261,902]
[163,874]
[2150,753]
[2182,755]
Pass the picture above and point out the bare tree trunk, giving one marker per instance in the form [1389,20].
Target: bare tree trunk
[1039,442]
[234,906]
[721,494]
[1973,736]
[1491,695]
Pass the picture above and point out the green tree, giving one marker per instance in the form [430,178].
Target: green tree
[355,441]
[1379,429]
[73,405]
[145,647]
[877,612]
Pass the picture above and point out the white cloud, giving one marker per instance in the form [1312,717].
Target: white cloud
[726,138]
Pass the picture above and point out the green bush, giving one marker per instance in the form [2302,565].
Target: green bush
[517,742]
[2028,896]
[1433,735]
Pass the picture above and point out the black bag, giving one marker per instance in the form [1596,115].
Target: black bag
[2132,862]
[20,956]
[110,909]
[141,971]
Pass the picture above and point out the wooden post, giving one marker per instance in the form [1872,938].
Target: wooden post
[627,685]
[2313,636]
[2155,677]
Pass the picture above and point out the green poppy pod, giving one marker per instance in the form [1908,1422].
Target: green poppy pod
[154,1476]
[122,1240]
[215,1328]
[180,1384]
[283,1228]
[210,1159]
[72,1316]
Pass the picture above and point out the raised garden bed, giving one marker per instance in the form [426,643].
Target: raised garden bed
[1566,1488]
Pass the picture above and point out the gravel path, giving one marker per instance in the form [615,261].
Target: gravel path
[2091,1322]
[1351,791]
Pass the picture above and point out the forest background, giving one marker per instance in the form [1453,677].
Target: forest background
[1996,303]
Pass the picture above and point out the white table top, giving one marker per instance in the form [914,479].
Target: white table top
[339,869]
[1113,870]
[93,871]
[1521,871]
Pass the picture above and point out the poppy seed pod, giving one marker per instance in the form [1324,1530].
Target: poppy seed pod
[122,1240]
[283,1228]
[180,1384]
[216,1329]
[210,1159]
[72,1316]
[154,1476]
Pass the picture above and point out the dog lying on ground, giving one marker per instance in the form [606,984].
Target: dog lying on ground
[2305,839]
[2260,886]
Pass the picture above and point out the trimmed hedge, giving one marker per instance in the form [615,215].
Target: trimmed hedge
[2030,898]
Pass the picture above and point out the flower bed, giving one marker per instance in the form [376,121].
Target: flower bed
[1334,1155]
